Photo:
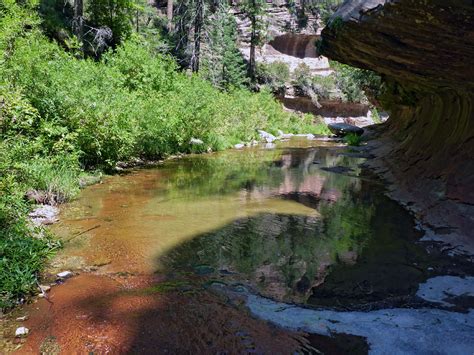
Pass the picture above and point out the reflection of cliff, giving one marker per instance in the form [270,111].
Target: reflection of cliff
[285,256]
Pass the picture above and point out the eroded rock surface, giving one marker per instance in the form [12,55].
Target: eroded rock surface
[424,51]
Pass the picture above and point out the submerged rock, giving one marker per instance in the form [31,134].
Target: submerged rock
[343,129]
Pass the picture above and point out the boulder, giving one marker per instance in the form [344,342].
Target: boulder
[343,129]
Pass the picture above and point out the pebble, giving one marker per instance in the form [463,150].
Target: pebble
[21,331]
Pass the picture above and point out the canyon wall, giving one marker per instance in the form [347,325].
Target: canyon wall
[425,53]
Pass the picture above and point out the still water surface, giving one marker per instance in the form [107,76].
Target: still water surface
[279,221]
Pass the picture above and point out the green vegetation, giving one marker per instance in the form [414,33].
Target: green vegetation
[273,76]
[315,86]
[62,115]
[357,85]
[353,139]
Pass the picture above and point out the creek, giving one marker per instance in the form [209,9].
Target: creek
[197,253]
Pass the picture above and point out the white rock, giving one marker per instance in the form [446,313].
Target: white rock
[195,141]
[44,215]
[22,319]
[21,331]
[388,331]
[239,146]
[64,274]
[267,137]
[307,135]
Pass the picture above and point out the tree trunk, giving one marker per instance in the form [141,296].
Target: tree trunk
[253,42]
[78,20]
[169,14]
[198,22]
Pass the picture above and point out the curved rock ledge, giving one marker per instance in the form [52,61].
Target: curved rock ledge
[424,51]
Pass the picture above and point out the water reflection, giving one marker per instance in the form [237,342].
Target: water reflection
[277,220]
[282,255]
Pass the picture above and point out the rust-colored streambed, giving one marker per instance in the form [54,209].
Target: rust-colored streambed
[160,254]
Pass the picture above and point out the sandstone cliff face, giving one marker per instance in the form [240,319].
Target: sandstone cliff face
[425,51]
[290,39]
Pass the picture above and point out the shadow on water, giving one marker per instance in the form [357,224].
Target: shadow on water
[271,221]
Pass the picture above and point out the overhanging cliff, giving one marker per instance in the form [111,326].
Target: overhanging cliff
[425,52]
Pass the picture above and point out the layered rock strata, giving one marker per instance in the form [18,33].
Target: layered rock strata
[425,52]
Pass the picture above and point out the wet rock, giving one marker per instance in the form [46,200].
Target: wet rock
[195,141]
[44,215]
[239,146]
[89,180]
[21,332]
[388,331]
[267,137]
[439,289]
[343,129]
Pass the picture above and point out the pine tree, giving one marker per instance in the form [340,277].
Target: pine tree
[222,62]
[255,11]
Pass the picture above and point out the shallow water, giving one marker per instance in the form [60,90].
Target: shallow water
[277,220]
